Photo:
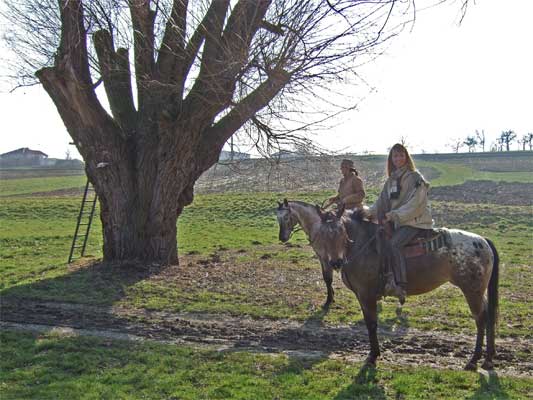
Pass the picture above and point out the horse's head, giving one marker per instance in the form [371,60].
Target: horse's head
[331,239]
[286,220]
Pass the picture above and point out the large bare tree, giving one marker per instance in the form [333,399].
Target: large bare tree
[181,77]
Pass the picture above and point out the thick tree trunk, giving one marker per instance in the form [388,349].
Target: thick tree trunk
[142,193]
[143,180]
[132,231]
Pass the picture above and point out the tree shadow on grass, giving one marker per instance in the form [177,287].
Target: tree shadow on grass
[96,283]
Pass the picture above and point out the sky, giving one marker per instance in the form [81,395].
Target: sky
[438,81]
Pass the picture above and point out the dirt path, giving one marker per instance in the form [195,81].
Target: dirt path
[310,339]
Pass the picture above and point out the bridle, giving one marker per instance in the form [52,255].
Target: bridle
[294,224]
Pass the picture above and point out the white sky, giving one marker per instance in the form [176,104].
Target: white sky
[440,81]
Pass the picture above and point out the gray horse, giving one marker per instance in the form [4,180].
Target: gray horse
[321,229]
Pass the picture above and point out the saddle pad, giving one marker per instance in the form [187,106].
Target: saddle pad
[425,246]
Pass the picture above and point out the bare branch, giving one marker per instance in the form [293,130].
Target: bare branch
[142,18]
[172,47]
[114,67]
[246,109]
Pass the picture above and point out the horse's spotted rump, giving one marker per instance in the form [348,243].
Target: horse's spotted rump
[471,255]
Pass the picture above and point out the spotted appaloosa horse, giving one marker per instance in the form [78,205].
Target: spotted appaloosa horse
[320,227]
[471,263]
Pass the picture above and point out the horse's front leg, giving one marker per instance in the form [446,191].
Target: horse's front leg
[369,307]
[327,274]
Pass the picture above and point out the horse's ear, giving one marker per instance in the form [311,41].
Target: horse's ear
[279,205]
[340,210]
[285,202]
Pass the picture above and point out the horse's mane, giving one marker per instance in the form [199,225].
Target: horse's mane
[357,221]
[301,203]
[361,215]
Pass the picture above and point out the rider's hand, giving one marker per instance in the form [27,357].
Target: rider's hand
[388,217]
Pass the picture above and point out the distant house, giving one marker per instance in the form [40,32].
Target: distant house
[23,157]
[226,156]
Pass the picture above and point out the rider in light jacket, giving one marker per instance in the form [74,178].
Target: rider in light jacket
[403,202]
[351,191]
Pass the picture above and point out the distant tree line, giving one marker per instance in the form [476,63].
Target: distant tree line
[503,142]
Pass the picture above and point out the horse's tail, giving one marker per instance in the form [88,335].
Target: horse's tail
[492,311]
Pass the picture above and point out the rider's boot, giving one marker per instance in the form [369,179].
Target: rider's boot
[397,278]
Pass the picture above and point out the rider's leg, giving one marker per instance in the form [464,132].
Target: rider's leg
[400,238]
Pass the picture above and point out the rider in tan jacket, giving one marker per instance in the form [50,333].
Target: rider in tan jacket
[351,189]
[404,203]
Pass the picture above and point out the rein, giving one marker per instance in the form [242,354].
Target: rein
[367,243]
[296,228]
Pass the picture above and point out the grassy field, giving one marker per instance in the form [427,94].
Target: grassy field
[51,367]
[231,239]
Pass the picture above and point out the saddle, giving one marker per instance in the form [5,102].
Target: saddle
[427,241]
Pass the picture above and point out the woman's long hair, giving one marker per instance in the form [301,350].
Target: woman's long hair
[410,163]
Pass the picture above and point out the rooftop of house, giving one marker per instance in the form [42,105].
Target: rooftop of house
[24,151]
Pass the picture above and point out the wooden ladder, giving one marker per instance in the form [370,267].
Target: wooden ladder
[85,219]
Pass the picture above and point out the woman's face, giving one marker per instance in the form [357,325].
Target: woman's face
[344,169]
[398,158]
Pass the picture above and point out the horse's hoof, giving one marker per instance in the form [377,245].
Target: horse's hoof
[488,365]
[471,366]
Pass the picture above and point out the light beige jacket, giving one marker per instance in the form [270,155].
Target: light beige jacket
[412,206]
[351,191]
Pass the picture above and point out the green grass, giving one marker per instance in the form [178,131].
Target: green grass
[36,236]
[50,366]
[9,187]
[456,174]
[241,231]
[37,232]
